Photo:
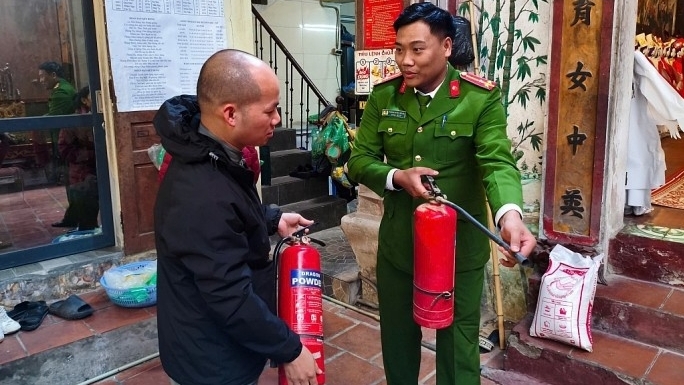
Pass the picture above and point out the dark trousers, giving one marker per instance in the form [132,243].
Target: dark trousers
[458,355]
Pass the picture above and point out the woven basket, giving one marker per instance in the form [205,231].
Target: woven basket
[133,297]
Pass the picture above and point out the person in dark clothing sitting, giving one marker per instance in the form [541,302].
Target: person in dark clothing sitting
[215,282]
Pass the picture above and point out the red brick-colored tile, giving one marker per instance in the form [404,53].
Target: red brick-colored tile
[360,317]
[675,304]
[637,292]
[427,363]
[154,375]
[667,370]
[611,352]
[431,380]
[97,299]
[429,335]
[10,349]
[350,370]
[51,336]
[141,368]
[362,340]
[152,310]
[334,323]
[330,351]
[114,317]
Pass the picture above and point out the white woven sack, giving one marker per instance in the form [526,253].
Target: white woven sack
[566,297]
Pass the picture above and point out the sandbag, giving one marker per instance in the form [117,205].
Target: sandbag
[566,297]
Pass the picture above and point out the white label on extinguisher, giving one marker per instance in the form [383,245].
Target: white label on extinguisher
[305,288]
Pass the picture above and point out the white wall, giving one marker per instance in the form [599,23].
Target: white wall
[309,32]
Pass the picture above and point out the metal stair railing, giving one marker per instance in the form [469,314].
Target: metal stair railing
[299,88]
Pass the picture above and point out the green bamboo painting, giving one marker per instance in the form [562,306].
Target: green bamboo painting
[512,54]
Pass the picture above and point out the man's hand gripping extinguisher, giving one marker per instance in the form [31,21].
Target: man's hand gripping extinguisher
[299,289]
[434,255]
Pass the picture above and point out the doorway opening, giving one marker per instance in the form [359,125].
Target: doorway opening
[660,38]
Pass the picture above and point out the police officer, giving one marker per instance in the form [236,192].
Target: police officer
[458,135]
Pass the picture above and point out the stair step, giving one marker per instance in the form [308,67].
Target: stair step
[614,361]
[286,189]
[285,161]
[84,358]
[647,259]
[644,311]
[283,139]
[327,211]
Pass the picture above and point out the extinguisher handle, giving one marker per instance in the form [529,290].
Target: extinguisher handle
[301,232]
[522,260]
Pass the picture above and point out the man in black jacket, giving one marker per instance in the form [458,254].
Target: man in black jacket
[211,229]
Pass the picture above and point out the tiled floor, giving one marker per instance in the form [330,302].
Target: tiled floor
[352,347]
[663,222]
[26,217]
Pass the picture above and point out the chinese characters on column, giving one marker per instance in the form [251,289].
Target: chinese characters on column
[573,119]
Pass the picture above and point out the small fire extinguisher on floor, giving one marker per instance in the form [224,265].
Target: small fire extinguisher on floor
[299,291]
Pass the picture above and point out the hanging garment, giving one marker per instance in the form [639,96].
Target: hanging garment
[654,103]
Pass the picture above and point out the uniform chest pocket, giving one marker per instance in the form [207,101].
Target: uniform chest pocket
[394,137]
[453,141]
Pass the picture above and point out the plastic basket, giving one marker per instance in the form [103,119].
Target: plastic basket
[133,297]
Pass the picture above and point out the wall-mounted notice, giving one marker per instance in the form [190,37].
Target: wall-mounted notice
[378,18]
[157,47]
[371,66]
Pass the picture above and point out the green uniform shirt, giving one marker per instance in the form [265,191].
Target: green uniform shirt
[463,138]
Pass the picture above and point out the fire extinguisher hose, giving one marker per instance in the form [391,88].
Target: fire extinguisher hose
[436,193]
[519,257]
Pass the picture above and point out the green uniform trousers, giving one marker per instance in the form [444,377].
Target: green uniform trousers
[458,354]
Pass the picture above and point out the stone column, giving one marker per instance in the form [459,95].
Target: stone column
[361,229]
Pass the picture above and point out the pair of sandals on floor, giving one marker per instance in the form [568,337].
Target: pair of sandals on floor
[30,314]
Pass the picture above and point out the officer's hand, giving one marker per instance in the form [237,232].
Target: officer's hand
[517,235]
[291,222]
[409,180]
[303,370]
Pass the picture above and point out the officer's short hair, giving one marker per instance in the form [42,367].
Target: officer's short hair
[52,68]
[437,18]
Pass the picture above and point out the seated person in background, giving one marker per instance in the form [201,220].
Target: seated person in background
[77,149]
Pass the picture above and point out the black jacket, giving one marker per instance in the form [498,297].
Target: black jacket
[211,233]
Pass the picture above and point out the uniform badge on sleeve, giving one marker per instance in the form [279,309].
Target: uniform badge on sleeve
[478,81]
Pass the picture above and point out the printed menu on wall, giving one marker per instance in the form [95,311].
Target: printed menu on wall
[371,66]
[157,47]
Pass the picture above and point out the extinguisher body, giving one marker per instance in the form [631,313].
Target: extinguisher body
[434,232]
[300,302]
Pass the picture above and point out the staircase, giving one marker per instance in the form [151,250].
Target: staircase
[289,146]
[308,197]
[637,323]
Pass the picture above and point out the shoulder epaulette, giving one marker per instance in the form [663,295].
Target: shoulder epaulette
[478,81]
[388,78]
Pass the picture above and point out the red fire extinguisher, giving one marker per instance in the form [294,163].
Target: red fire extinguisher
[434,232]
[300,289]
[434,254]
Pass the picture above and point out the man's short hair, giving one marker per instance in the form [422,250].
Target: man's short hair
[51,67]
[437,18]
[226,77]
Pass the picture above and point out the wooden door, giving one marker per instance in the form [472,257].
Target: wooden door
[138,183]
